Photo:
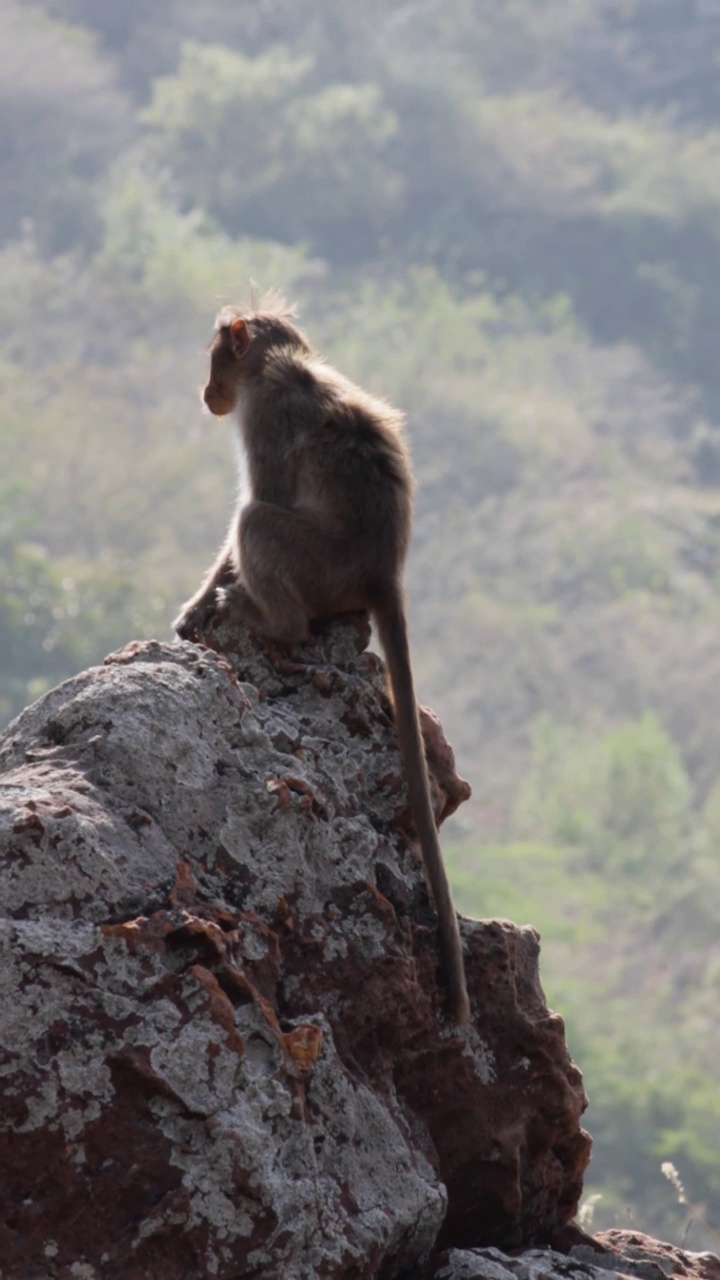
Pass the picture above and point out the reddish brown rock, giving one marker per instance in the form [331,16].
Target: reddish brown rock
[225,1045]
[635,1253]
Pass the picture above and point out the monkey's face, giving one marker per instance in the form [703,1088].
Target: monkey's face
[218,400]
[230,345]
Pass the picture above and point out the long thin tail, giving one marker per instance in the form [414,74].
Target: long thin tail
[392,627]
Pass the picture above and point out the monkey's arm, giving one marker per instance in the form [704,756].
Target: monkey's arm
[199,610]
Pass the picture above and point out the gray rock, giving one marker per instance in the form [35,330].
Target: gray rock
[225,1051]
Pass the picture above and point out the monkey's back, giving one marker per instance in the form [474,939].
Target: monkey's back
[367,481]
[351,462]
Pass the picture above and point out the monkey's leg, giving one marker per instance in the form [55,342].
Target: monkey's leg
[290,570]
[200,609]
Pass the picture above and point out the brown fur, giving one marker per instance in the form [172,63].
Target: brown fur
[325,532]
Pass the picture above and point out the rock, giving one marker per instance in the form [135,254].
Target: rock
[532,1264]
[225,1050]
[638,1253]
[607,1256]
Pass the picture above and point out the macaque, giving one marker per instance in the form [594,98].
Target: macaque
[325,531]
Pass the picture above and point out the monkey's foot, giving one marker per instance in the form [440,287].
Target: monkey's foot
[196,616]
[290,626]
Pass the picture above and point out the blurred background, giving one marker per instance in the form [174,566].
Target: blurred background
[504,215]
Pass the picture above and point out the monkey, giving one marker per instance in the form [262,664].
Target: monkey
[325,531]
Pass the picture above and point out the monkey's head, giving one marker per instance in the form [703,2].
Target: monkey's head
[241,343]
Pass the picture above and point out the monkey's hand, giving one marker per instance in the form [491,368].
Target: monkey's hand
[197,615]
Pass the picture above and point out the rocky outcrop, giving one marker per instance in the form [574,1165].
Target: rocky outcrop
[608,1256]
[225,1049]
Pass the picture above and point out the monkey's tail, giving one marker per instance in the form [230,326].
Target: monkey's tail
[392,627]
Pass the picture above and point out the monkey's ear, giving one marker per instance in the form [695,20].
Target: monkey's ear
[239,338]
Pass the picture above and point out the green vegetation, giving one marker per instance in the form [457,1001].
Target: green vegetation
[506,216]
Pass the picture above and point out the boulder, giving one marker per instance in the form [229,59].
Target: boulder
[225,1045]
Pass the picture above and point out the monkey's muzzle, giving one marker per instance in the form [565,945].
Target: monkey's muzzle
[218,403]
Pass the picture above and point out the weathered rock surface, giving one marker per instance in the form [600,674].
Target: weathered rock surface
[225,1051]
[608,1256]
